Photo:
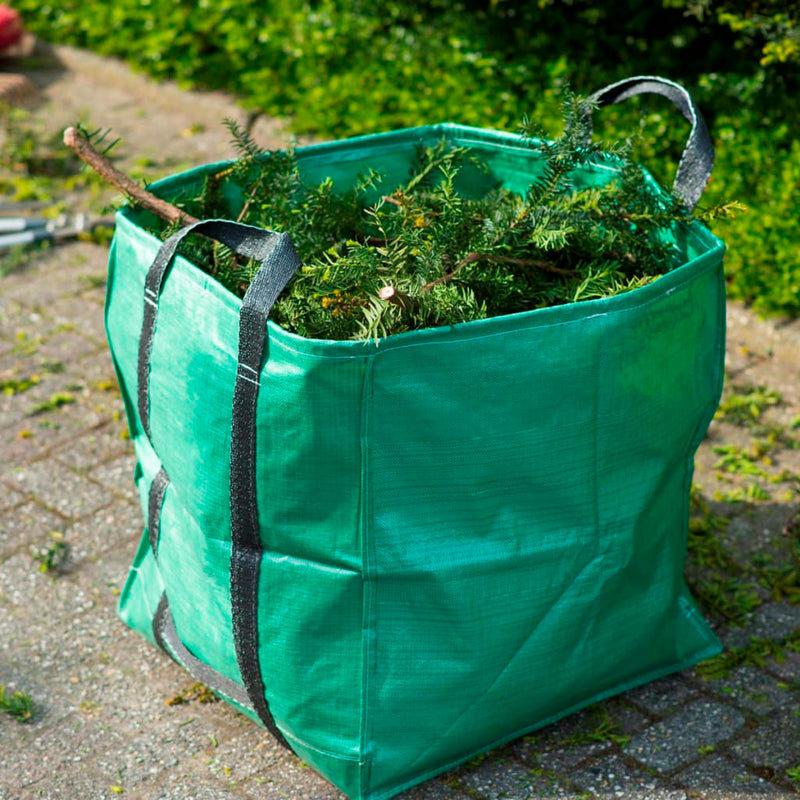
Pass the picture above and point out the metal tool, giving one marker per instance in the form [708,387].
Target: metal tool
[16,231]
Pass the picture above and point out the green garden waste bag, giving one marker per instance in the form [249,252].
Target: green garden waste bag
[398,555]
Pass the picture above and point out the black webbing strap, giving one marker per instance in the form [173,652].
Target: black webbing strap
[277,268]
[166,636]
[154,502]
[697,160]
[244,239]
[278,263]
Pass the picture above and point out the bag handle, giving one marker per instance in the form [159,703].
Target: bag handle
[697,161]
[278,263]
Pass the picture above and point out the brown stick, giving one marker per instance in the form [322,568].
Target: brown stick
[75,140]
[470,258]
[524,262]
[246,206]
[387,198]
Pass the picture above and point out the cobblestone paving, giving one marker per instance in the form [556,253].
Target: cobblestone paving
[101,727]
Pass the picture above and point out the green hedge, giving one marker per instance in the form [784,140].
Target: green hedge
[338,68]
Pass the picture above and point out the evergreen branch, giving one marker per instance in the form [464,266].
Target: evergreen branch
[243,141]
[432,158]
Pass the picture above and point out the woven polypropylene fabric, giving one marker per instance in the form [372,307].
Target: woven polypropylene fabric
[466,532]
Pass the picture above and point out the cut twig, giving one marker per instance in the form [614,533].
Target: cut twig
[545,266]
[76,141]
[247,203]
[394,296]
[471,258]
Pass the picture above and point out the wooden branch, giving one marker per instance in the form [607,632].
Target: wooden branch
[471,258]
[546,266]
[76,141]
[247,203]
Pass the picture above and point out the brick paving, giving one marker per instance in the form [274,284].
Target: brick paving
[101,726]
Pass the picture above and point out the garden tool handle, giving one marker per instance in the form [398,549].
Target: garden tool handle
[24,237]
[278,263]
[697,161]
[19,224]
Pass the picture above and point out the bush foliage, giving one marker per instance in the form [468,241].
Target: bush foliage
[450,243]
[339,68]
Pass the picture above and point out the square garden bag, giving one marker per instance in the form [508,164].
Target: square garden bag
[395,557]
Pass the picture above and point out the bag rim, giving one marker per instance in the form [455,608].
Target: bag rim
[710,256]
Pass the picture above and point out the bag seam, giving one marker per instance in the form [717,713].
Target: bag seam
[368,633]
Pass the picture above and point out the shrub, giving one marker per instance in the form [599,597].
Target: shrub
[339,68]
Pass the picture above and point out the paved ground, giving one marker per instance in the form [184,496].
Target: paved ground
[101,725]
